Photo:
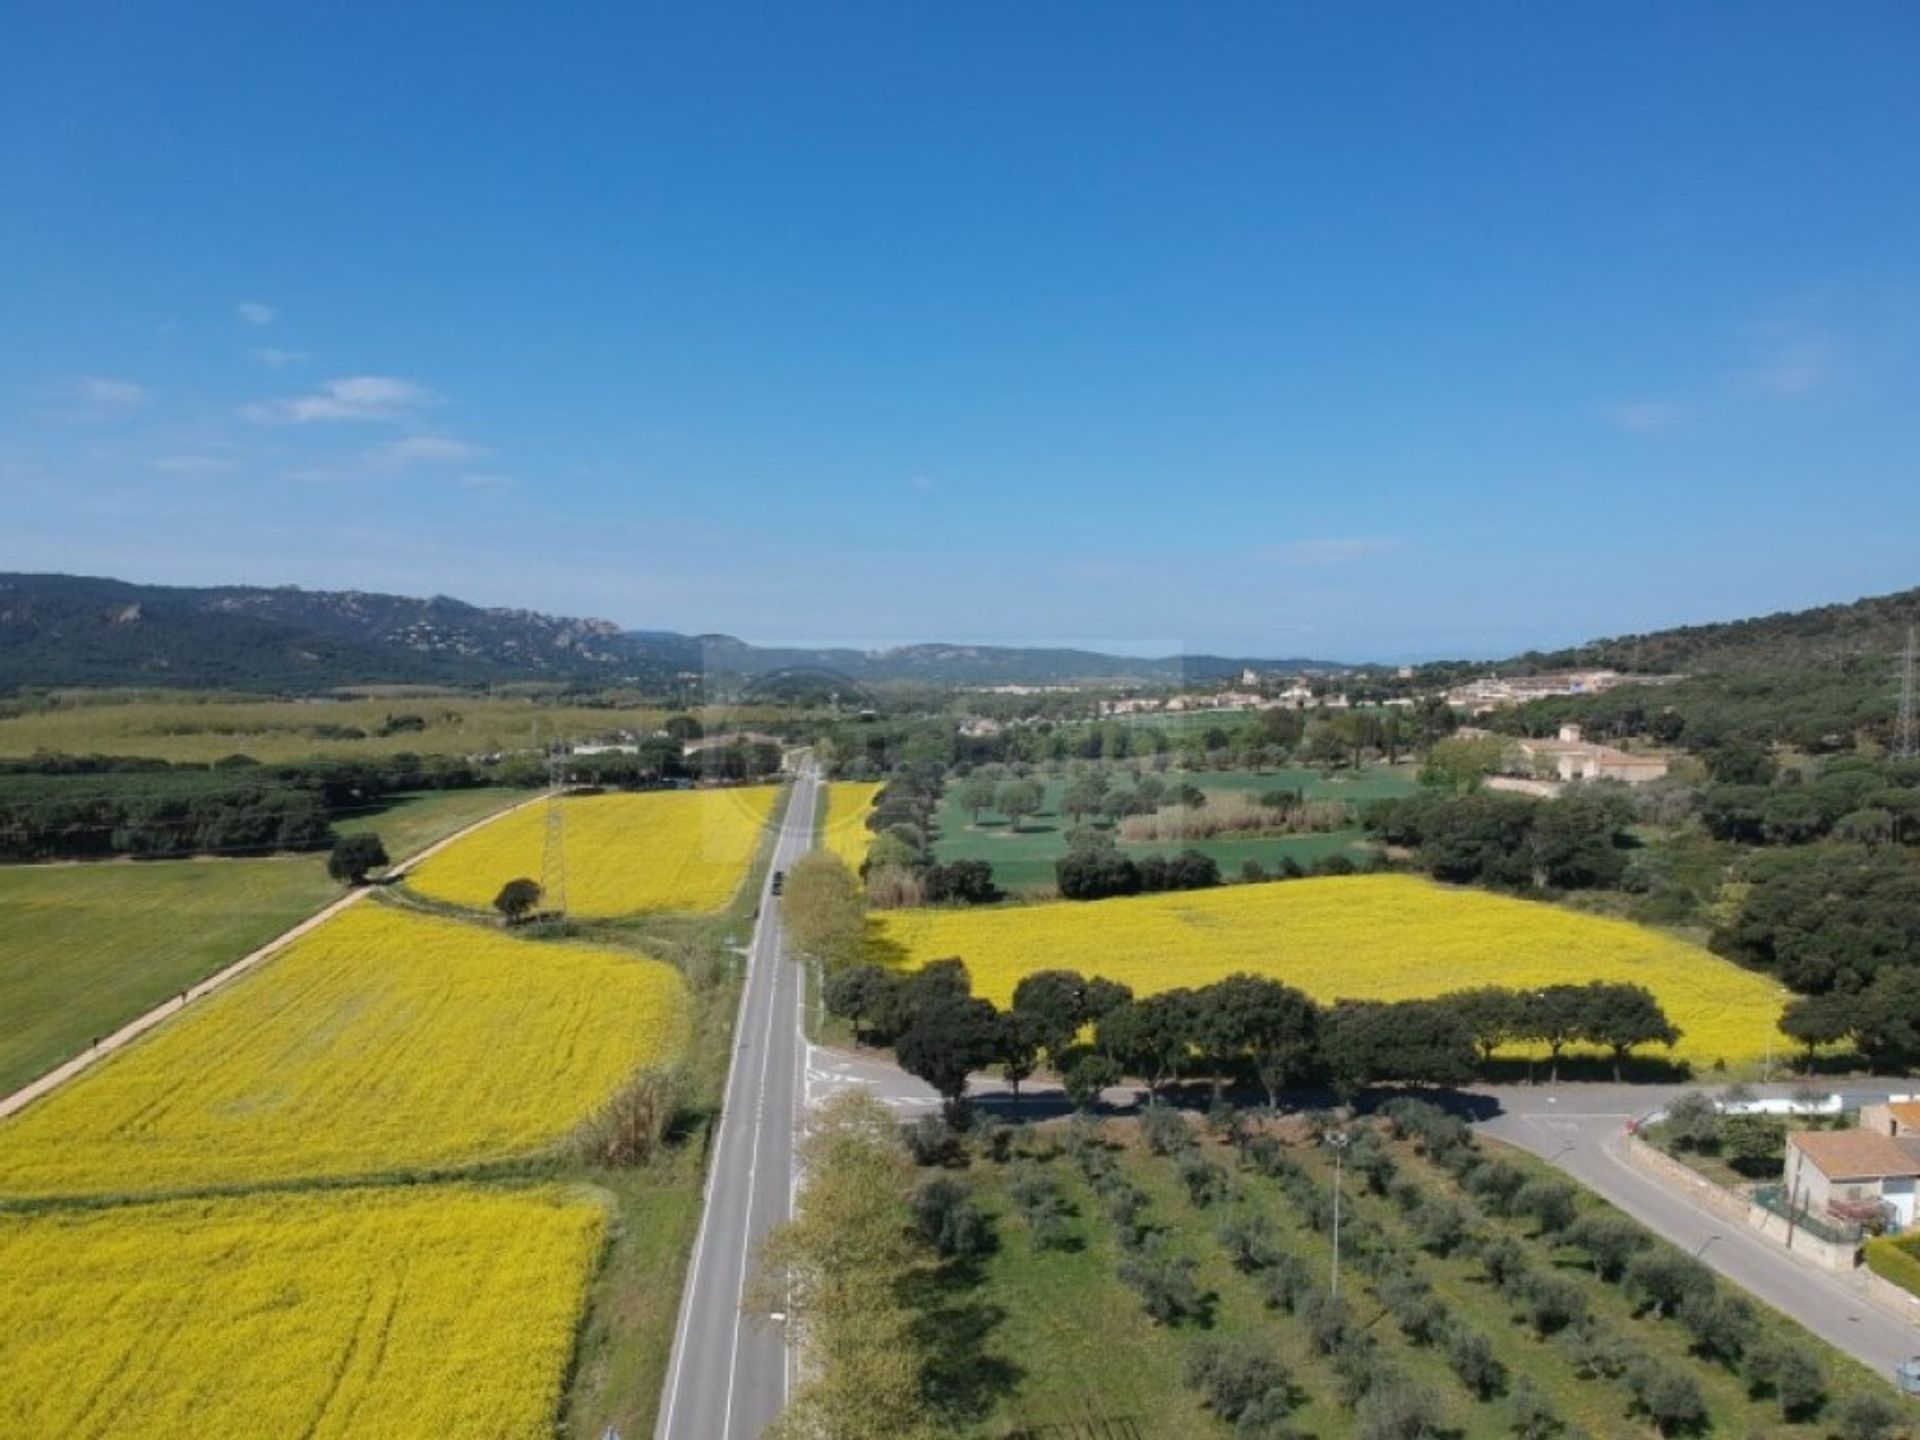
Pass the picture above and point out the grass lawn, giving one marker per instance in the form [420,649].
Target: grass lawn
[414,822]
[1023,859]
[1036,1337]
[85,948]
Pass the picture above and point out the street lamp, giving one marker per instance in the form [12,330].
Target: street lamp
[1338,1139]
[1702,1249]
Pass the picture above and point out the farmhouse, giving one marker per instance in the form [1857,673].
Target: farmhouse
[1850,1174]
[1573,757]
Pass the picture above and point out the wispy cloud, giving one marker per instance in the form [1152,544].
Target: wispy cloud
[487,480]
[193,465]
[1335,550]
[921,482]
[280,359]
[1791,367]
[112,394]
[255,313]
[1644,417]
[376,398]
[425,450]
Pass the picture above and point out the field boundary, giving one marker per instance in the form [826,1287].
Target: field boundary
[141,1024]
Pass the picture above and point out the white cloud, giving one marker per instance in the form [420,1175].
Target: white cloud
[193,465]
[1341,550]
[255,313]
[424,450]
[1644,417]
[118,394]
[487,480]
[354,397]
[280,359]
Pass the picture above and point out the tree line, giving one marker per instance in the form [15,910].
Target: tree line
[1245,1030]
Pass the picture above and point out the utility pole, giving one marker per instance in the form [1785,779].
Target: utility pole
[1905,743]
[553,861]
[1338,1139]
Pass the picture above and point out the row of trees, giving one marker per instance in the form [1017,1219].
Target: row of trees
[900,868]
[1245,1029]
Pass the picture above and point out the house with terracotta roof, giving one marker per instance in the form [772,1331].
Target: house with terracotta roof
[1853,1174]
[1895,1116]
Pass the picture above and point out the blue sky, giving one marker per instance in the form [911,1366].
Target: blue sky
[1351,331]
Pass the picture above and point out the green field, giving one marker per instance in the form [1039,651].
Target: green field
[85,948]
[199,729]
[1023,859]
[1033,1335]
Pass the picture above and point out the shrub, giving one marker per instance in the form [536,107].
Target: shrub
[1470,1356]
[1286,1283]
[1042,1204]
[1866,1416]
[1598,1353]
[1240,1377]
[1206,1182]
[931,1140]
[1668,1397]
[1494,1183]
[1328,1319]
[1722,1325]
[1551,1303]
[1248,1239]
[1396,1410]
[1410,1301]
[1790,1373]
[631,1126]
[1531,1414]
[1164,1281]
[1660,1279]
[1164,1130]
[1549,1203]
[1610,1241]
[1439,1225]
[948,1219]
[1505,1261]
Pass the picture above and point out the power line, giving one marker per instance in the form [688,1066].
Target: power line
[553,862]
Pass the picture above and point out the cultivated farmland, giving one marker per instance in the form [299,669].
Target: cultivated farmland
[85,948]
[1023,858]
[443,1311]
[845,834]
[664,850]
[1371,937]
[384,1040]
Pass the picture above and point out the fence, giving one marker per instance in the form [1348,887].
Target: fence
[1772,1198]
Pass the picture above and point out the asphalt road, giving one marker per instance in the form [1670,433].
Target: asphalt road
[1581,1129]
[730,1372]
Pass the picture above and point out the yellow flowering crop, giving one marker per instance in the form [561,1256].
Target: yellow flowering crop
[444,1311]
[684,850]
[383,1040]
[1368,937]
[846,835]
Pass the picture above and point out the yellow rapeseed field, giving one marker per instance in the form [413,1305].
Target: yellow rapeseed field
[1368,937]
[684,850]
[448,1311]
[846,835]
[383,1040]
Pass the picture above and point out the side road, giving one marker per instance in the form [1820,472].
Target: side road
[1580,1129]
[139,1026]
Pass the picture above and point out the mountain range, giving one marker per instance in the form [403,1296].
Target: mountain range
[81,630]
